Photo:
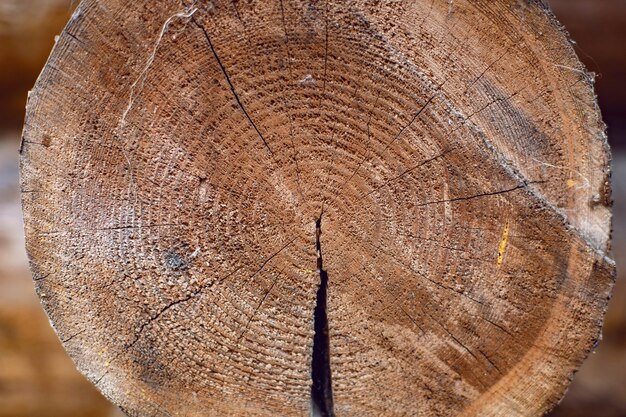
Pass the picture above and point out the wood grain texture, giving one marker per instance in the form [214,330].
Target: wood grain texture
[177,156]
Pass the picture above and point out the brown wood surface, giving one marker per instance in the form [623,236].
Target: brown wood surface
[176,158]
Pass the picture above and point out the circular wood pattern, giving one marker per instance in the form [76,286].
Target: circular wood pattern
[186,166]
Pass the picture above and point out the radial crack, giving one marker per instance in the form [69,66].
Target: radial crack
[321,387]
[231,86]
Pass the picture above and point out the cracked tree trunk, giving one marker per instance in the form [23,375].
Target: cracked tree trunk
[179,159]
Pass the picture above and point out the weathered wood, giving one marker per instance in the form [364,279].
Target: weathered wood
[186,167]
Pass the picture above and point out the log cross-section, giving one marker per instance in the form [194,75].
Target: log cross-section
[176,158]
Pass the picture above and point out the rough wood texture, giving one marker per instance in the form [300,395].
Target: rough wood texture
[176,158]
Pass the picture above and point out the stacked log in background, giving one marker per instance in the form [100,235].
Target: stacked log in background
[35,376]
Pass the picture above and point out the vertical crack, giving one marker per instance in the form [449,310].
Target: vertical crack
[321,387]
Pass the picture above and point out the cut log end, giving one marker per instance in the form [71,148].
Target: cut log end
[300,207]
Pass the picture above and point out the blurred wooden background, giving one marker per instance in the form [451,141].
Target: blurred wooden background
[37,379]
